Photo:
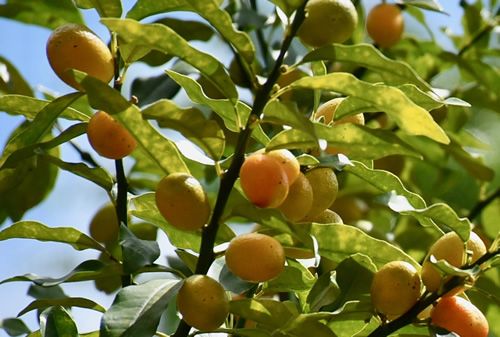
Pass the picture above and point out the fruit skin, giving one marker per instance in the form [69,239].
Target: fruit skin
[299,199]
[395,288]
[108,138]
[450,248]
[104,224]
[385,24]
[458,315]
[287,160]
[327,111]
[325,189]
[74,46]
[203,303]
[255,257]
[327,22]
[182,201]
[327,216]
[264,181]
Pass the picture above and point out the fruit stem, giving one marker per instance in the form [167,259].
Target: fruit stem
[207,255]
[425,301]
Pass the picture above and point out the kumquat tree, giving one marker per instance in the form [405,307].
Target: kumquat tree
[337,173]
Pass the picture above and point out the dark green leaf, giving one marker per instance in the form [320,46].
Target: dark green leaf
[324,292]
[137,253]
[65,302]
[366,55]
[410,117]
[57,322]
[162,38]
[151,89]
[14,326]
[11,81]
[137,309]
[192,123]
[29,107]
[105,8]
[38,231]
[473,164]
[295,277]
[45,13]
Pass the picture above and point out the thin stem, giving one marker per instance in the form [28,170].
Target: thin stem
[485,30]
[478,208]
[121,206]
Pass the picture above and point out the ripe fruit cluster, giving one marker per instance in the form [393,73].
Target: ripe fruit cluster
[397,286]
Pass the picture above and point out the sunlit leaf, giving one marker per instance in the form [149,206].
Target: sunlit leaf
[29,107]
[286,113]
[137,309]
[158,148]
[426,4]
[209,10]
[366,55]
[38,231]
[288,6]
[234,117]
[410,117]
[162,38]
[295,277]
[57,322]
[337,242]
[264,311]
[354,140]
[45,13]
[105,8]
[192,123]
[79,302]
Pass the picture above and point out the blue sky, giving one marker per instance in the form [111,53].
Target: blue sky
[74,200]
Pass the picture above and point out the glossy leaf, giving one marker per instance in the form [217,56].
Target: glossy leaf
[234,117]
[356,141]
[137,253]
[426,4]
[29,107]
[38,231]
[164,39]
[209,10]
[137,309]
[192,123]
[366,55]
[14,326]
[45,13]
[105,8]
[57,322]
[295,277]
[410,117]
[159,149]
[337,242]
[79,302]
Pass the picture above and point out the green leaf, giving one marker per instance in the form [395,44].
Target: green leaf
[409,116]
[164,39]
[41,125]
[356,141]
[338,242]
[288,6]
[38,231]
[137,253]
[286,113]
[268,312]
[426,4]
[105,8]
[137,309]
[11,81]
[98,175]
[79,302]
[473,164]
[45,13]
[57,322]
[191,122]
[29,107]
[209,10]
[14,326]
[393,72]
[233,116]
[161,150]
[151,89]
[295,277]
[87,270]
[324,292]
